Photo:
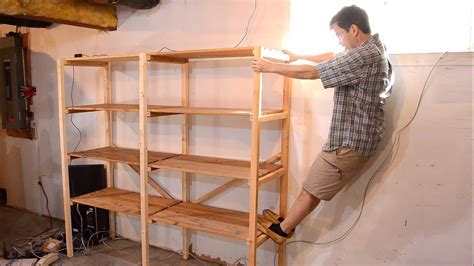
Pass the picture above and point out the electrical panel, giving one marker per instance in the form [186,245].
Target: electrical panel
[12,81]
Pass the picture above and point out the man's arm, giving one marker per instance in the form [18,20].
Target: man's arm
[313,58]
[292,71]
[317,58]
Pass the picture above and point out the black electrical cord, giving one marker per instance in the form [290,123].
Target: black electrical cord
[47,205]
[385,163]
[164,47]
[248,24]
[72,121]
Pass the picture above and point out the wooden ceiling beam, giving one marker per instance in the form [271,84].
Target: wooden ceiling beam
[71,12]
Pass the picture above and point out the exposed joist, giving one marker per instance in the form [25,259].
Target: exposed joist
[71,12]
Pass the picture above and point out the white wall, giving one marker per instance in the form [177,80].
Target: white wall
[416,211]
[419,210]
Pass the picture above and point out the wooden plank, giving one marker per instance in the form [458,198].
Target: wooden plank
[207,53]
[274,159]
[77,13]
[204,218]
[143,158]
[211,166]
[86,64]
[166,59]
[208,111]
[100,60]
[228,184]
[108,139]
[285,142]
[157,110]
[28,133]
[186,183]
[64,159]
[254,164]
[277,173]
[273,117]
[170,161]
[264,167]
[123,201]
[120,155]
[103,107]
[157,187]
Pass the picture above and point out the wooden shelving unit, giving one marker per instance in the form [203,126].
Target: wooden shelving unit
[187,213]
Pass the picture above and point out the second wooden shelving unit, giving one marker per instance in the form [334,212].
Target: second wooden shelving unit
[184,212]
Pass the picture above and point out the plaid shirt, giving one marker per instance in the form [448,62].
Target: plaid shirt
[363,78]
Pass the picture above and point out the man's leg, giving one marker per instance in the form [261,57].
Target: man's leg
[304,205]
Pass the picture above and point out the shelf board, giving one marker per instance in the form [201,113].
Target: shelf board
[109,107]
[199,217]
[120,155]
[204,54]
[99,60]
[157,110]
[212,166]
[208,111]
[208,219]
[170,57]
[171,161]
[123,201]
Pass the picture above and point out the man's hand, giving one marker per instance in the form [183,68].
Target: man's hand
[293,56]
[262,65]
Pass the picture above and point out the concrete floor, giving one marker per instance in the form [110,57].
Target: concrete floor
[16,224]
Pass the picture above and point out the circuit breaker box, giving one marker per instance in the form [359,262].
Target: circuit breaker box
[12,78]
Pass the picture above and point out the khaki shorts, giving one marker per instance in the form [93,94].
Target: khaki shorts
[331,171]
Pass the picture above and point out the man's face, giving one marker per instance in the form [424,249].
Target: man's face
[346,38]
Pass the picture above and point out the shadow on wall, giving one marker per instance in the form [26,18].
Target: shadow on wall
[11,167]
[46,113]
[14,178]
[43,72]
[3,157]
[334,213]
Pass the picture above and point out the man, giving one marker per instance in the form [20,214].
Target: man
[361,76]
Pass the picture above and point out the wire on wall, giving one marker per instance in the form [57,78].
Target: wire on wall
[72,121]
[248,24]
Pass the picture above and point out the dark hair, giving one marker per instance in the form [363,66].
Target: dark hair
[349,15]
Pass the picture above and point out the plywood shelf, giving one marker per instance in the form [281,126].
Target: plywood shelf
[123,201]
[208,219]
[120,155]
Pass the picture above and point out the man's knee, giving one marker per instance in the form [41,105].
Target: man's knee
[309,196]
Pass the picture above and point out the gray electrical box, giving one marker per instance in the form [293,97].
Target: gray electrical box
[12,77]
